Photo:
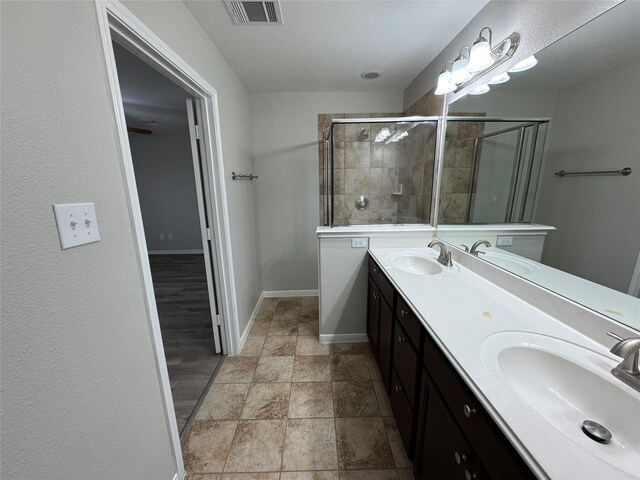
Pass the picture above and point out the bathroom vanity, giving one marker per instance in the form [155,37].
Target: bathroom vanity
[469,367]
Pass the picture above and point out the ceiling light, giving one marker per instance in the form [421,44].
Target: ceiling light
[371,74]
[480,90]
[459,71]
[480,56]
[523,65]
[444,82]
[502,78]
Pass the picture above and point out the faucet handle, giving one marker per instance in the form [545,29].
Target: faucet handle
[466,247]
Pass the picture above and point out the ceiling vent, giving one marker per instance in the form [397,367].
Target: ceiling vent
[255,13]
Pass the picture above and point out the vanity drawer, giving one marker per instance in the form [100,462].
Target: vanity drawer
[386,289]
[402,412]
[405,361]
[500,459]
[409,322]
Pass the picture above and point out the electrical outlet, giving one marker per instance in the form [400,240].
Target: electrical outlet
[170,236]
[162,236]
[359,242]
[77,224]
[505,241]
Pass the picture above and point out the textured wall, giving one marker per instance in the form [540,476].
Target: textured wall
[80,391]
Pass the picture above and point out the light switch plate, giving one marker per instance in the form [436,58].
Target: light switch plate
[77,224]
[505,240]
[359,242]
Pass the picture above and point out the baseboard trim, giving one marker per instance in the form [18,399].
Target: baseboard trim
[290,293]
[177,477]
[344,338]
[254,314]
[176,252]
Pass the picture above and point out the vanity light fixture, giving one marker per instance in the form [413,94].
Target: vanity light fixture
[460,70]
[480,90]
[523,65]
[501,78]
[444,81]
[481,55]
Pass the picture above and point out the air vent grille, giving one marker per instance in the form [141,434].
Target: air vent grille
[255,13]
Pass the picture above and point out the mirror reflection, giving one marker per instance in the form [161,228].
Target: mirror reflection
[547,169]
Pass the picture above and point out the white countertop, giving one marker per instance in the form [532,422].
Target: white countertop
[460,310]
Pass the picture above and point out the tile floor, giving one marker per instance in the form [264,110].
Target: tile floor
[290,408]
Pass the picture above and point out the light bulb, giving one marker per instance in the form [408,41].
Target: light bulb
[523,65]
[459,71]
[502,78]
[480,90]
[444,83]
[480,56]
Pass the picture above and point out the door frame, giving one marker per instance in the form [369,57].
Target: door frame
[116,22]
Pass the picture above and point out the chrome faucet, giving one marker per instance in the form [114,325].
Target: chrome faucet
[474,249]
[629,350]
[445,256]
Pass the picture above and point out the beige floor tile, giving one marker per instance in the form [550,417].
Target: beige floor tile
[349,368]
[268,304]
[374,371]
[383,400]
[362,444]
[251,476]
[260,329]
[237,370]
[309,301]
[310,444]
[274,369]
[397,447]
[369,475]
[350,348]
[312,368]
[224,401]
[311,400]
[309,345]
[279,345]
[267,401]
[203,476]
[355,399]
[309,312]
[317,475]
[207,445]
[252,346]
[309,328]
[257,446]
[287,326]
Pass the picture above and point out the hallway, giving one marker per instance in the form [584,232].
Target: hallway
[289,407]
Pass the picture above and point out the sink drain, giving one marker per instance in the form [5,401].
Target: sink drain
[596,431]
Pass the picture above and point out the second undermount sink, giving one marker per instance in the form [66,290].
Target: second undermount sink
[416,263]
[514,264]
[565,384]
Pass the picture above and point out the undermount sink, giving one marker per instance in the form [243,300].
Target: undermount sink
[565,384]
[419,264]
[511,263]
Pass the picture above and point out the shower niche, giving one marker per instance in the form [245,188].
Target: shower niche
[378,171]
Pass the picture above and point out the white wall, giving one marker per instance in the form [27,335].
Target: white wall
[166,186]
[80,391]
[539,23]
[285,144]
[595,127]
[175,24]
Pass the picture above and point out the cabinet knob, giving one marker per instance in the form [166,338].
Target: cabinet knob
[468,410]
[375,270]
[375,295]
[403,313]
[401,339]
[470,475]
[398,388]
[460,458]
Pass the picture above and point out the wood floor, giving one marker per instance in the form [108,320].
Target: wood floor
[180,286]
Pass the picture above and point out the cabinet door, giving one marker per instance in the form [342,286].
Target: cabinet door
[385,341]
[373,315]
[442,451]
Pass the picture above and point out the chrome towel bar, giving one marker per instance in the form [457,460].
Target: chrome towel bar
[624,172]
[242,176]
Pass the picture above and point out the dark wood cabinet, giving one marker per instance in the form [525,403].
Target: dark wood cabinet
[443,426]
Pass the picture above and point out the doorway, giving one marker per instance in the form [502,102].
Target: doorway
[170,185]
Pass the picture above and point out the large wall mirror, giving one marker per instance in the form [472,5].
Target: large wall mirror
[539,167]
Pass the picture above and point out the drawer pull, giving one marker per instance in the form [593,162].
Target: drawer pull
[375,270]
[375,295]
[468,410]
[401,339]
[460,458]
[398,388]
[403,313]
[470,475]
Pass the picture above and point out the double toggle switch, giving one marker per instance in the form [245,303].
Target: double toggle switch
[77,224]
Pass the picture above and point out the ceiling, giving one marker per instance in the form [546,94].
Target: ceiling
[325,45]
[149,95]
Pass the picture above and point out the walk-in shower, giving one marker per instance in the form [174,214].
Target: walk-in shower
[379,170]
